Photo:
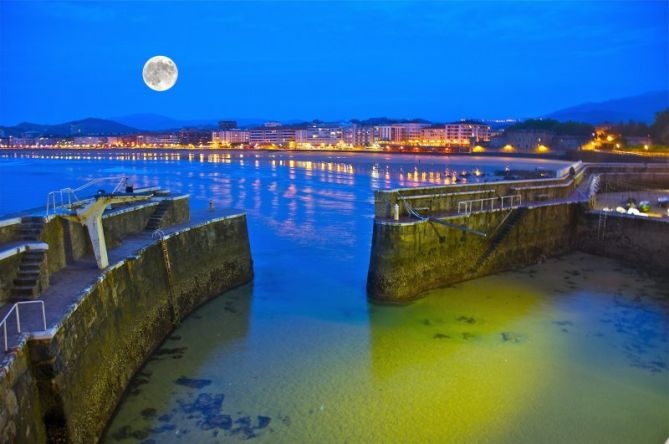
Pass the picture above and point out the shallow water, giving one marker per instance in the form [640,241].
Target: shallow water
[572,350]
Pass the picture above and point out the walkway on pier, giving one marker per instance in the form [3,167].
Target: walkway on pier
[67,285]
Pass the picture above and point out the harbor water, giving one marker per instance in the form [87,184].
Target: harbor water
[570,350]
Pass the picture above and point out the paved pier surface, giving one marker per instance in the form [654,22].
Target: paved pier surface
[68,284]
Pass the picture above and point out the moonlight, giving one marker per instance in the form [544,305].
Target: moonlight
[160,73]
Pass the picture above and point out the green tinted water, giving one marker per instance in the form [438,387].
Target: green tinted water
[572,350]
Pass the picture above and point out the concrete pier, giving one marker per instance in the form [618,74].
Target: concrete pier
[438,240]
[62,384]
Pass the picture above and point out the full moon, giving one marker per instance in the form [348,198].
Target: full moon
[160,73]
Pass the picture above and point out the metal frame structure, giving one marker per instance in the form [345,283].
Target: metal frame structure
[66,198]
[467,207]
[15,309]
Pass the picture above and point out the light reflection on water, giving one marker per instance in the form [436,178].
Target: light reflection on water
[569,351]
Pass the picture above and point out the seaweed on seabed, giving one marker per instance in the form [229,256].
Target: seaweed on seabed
[175,353]
[193,383]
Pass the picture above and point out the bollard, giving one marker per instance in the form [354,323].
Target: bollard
[396,212]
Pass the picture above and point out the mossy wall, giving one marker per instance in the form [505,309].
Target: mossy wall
[411,258]
[177,213]
[9,268]
[20,414]
[109,334]
[9,232]
[640,242]
[117,226]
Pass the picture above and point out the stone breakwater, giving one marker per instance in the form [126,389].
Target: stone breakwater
[65,384]
[410,256]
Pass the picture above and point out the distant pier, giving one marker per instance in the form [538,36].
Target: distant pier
[428,237]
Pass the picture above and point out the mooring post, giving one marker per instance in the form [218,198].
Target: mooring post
[396,212]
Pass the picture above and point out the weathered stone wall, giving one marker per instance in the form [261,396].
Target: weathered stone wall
[9,231]
[640,242]
[637,181]
[105,339]
[9,267]
[408,259]
[177,213]
[20,414]
[117,226]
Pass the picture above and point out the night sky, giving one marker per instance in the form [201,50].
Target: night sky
[441,61]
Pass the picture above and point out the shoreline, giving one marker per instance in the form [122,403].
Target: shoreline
[586,156]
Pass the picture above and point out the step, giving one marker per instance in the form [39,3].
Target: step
[28,274]
[24,290]
[25,282]
[33,254]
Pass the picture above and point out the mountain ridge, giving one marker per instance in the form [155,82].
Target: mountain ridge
[640,108]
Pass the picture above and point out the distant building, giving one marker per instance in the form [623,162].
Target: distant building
[194,137]
[232,136]
[160,140]
[433,135]
[21,142]
[360,135]
[271,135]
[465,133]
[527,140]
[227,124]
[401,132]
[89,141]
[320,134]
[51,141]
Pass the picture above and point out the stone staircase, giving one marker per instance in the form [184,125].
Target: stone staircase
[157,217]
[31,228]
[27,282]
[502,232]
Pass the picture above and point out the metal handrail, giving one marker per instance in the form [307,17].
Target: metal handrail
[467,207]
[68,195]
[15,308]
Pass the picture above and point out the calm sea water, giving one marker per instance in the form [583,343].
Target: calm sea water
[572,350]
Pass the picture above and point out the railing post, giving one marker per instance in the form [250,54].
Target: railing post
[4,326]
[18,319]
[43,315]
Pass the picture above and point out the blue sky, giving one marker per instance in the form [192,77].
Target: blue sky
[439,60]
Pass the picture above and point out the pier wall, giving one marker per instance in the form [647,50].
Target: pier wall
[440,199]
[9,267]
[9,229]
[83,368]
[20,412]
[640,242]
[410,258]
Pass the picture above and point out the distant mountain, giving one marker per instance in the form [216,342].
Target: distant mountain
[641,108]
[157,122]
[85,127]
